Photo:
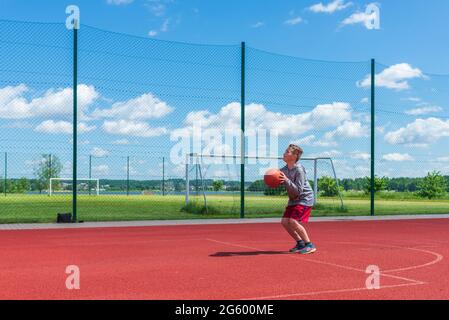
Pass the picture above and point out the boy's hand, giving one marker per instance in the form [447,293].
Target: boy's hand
[282,177]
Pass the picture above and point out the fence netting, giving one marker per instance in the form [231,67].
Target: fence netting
[160,129]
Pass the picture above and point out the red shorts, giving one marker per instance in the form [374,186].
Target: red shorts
[298,212]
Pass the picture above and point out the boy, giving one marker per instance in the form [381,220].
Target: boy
[300,202]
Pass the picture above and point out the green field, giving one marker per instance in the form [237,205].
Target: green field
[42,208]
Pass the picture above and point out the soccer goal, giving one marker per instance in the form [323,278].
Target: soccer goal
[204,170]
[63,185]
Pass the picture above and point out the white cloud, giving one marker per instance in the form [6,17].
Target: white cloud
[394,77]
[35,162]
[383,128]
[147,106]
[216,147]
[313,141]
[360,155]
[258,117]
[293,21]
[152,33]
[331,7]
[349,129]
[325,154]
[258,24]
[413,99]
[64,127]
[133,128]
[13,104]
[362,170]
[365,18]
[309,140]
[424,110]
[360,17]
[10,100]
[345,169]
[119,2]
[121,142]
[398,157]
[98,152]
[380,129]
[132,170]
[364,100]
[443,159]
[101,169]
[83,127]
[157,7]
[420,132]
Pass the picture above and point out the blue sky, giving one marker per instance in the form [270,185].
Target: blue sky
[137,92]
[411,30]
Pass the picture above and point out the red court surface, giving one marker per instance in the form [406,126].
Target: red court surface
[232,261]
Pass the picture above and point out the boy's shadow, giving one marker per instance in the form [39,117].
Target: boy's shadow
[248,253]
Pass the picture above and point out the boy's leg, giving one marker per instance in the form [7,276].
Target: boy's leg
[299,229]
[287,225]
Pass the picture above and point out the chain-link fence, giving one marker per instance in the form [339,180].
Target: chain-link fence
[412,130]
[159,128]
[36,103]
[317,105]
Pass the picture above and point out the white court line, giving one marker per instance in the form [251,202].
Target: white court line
[322,262]
[412,282]
[438,256]
[331,291]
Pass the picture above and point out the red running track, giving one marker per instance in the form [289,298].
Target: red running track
[233,261]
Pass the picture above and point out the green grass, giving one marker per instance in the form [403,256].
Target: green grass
[41,208]
[387,195]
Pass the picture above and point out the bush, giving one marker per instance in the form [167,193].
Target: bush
[279,191]
[196,208]
[258,185]
[217,185]
[328,186]
[434,185]
[20,186]
[379,184]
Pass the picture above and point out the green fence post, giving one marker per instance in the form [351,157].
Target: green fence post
[127,176]
[373,131]
[242,140]
[75,120]
[163,176]
[50,166]
[6,173]
[90,171]
[50,170]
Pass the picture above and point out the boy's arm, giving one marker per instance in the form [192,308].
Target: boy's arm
[295,187]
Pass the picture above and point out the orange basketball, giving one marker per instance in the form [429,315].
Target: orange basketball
[272,178]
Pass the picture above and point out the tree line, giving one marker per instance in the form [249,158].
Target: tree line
[433,185]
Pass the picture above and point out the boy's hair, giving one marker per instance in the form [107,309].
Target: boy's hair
[295,150]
